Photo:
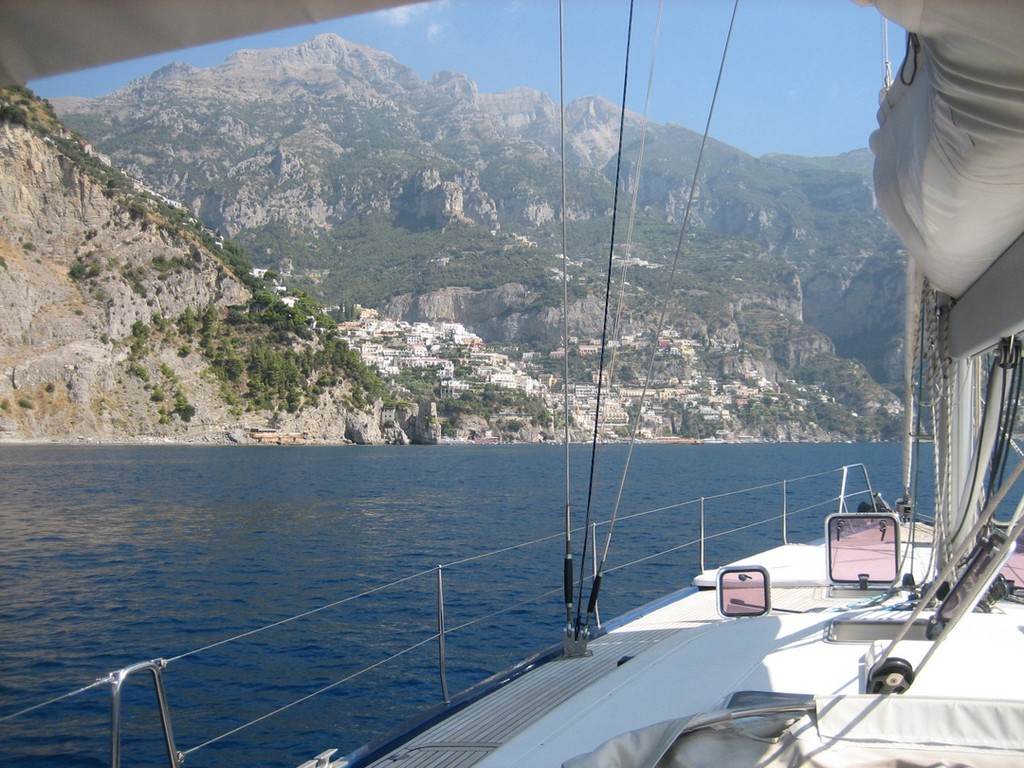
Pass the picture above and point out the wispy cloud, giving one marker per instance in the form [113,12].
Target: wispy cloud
[408,16]
[403,15]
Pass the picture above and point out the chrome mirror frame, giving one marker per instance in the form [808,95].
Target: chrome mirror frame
[874,540]
[744,591]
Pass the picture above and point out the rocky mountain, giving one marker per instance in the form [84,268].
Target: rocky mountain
[337,165]
[124,318]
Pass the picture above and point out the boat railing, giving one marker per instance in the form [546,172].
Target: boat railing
[793,505]
[844,496]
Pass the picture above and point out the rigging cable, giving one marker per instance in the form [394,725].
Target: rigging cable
[633,205]
[946,570]
[886,63]
[911,355]
[940,373]
[604,341]
[1009,359]
[986,446]
[663,311]
[988,575]
[627,248]
[914,402]
[567,569]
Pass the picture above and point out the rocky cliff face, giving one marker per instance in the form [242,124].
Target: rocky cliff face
[336,164]
[72,285]
[86,269]
[363,135]
[215,138]
[508,313]
[861,313]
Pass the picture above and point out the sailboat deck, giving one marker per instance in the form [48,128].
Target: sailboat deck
[470,735]
[667,658]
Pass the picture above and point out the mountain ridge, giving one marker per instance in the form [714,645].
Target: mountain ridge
[352,152]
[335,165]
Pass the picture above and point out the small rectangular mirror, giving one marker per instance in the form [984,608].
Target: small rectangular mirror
[863,549]
[744,591]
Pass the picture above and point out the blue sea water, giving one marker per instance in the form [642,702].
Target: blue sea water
[111,555]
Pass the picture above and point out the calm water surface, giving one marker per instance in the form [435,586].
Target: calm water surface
[115,555]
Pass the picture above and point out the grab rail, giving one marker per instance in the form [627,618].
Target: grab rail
[117,680]
[842,487]
[156,667]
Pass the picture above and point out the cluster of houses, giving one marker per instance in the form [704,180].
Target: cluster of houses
[392,345]
[460,361]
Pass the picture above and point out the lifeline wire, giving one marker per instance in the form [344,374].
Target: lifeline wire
[297,616]
[55,699]
[544,595]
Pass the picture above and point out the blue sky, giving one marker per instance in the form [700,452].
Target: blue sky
[802,76]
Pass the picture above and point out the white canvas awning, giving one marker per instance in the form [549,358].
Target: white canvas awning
[39,38]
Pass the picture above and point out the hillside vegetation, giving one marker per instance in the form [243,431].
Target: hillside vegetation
[128,318]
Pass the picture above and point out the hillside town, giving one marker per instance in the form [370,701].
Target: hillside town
[459,361]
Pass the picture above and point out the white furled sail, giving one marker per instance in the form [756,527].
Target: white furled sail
[949,170]
[949,177]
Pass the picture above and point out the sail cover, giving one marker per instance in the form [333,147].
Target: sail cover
[949,168]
